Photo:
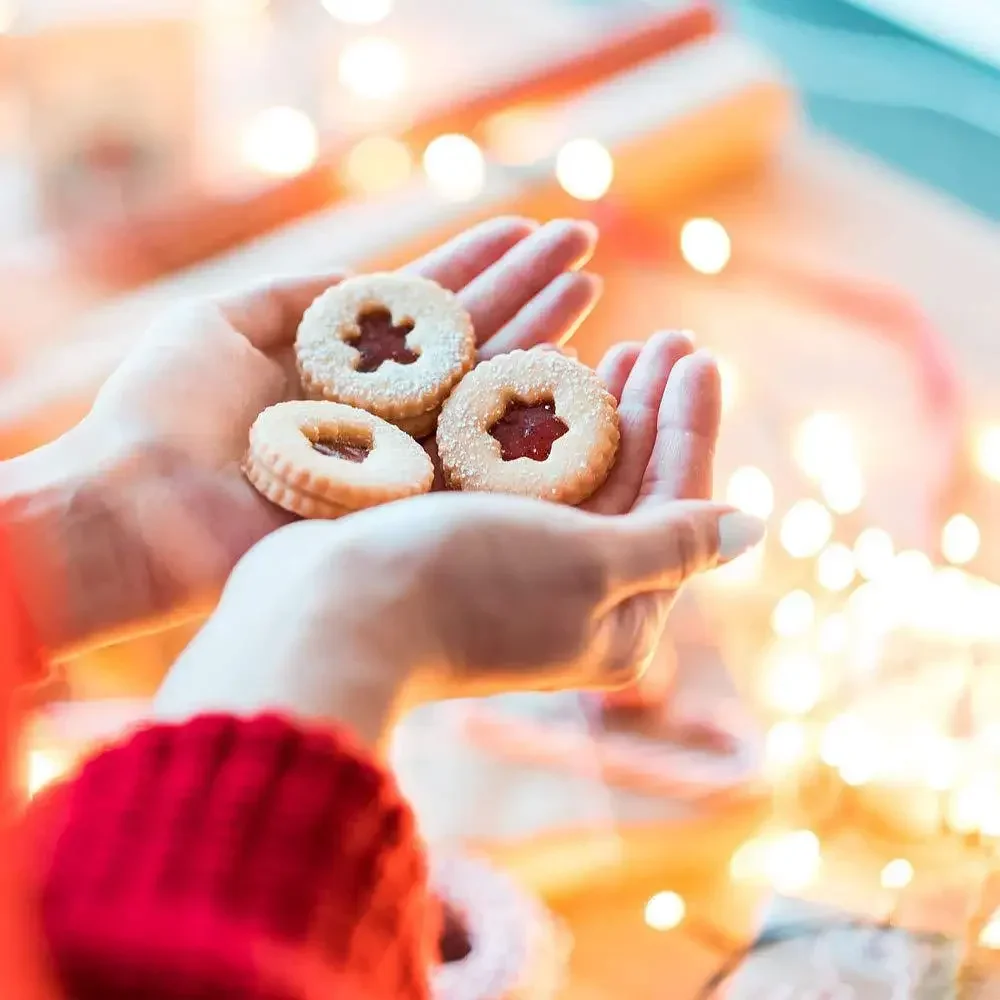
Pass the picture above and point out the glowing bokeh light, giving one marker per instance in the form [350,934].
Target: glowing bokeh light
[665,911]
[373,68]
[960,539]
[585,169]
[823,446]
[988,452]
[835,567]
[805,529]
[377,164]
[455,167]
[706,245]
[280,142]
[793,614]
[750,490]
[897,874]
[873,553]
[43,769]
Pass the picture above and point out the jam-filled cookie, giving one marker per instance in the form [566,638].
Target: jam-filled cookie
[323,459]
[390,344]
[536,423]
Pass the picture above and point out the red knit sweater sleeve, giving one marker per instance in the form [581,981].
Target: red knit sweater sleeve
[230,858]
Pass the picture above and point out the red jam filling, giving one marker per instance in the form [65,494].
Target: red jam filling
[528,431]
[455,942]
[379,340]
[350,451]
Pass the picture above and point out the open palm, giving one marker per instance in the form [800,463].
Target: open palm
[187,394]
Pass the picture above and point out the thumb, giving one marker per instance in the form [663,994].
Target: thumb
[661,547]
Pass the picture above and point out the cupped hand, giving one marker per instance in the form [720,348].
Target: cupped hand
[474,593]
[167,504]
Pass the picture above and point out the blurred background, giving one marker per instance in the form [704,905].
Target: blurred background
[811,186]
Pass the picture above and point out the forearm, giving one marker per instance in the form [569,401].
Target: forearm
[65,543]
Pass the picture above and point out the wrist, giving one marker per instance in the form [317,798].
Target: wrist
[263,652]
[75,576]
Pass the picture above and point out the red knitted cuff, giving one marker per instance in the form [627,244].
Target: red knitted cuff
[237,858]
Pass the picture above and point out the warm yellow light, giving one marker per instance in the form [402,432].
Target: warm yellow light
[585,169]
[43,769]
[823,446]
[805,529]
[856,771]
[749,861]
[729,378]
[665,911]
[793,614]
[281,142]
[965,808]
[843,490]
[841,734]
[706,245]
[873,553]
[834,634]
[943,767]
[793,682]
[988,452]
[897,874]
[377,164]
[786,745]
[455,167]
[960,539]
[750,490]
[835,567]
[793,860]
[373,68]
[359,11]
[989,936]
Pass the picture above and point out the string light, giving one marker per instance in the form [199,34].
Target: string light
[873,553]
[665,911]
[750,489]
[706,246]
[793,860]
[897,874]
[793,614]
[960,540]
[989,936]
[834,634]
[359,11]
[835,567]
[373,68]
[377,164]
[585,169]
[805,529]
[785,745]
[281,142]
[844,490]
[823,446]
[793,681]
[455,167]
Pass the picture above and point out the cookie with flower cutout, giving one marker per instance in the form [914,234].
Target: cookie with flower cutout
[535,423]
[321,459]
[391,344]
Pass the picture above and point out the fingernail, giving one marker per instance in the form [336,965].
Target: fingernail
[585,225]
[739,532]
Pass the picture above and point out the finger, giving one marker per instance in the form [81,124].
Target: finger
[455,263]
[269,315]
[497,295]
[551,317]
[660,548]
[687,432]
[637,418]
[617,365]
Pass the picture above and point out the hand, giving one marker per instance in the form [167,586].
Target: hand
[475,593]
[139,514]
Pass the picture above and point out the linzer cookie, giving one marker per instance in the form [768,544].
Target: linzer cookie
[322,459]
[392,345]
[536,423]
